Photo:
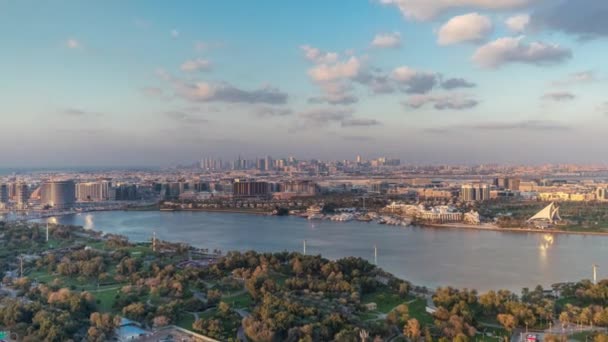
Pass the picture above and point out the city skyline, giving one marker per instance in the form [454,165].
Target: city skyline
[456,82]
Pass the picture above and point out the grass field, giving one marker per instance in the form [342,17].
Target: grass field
[106,298]
[387,301]
[240,301]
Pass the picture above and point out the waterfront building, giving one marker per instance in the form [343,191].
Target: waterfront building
[22,195]
[472,217]
[549,215]
[93,191]
[126,192]
[58,194]
[250,189]
[440,214]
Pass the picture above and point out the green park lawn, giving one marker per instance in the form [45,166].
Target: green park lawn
[240,301]
[106,298]
[387,301]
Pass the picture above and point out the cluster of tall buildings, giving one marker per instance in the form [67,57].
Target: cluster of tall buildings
[262,164]
[237,188]
[62,194]
[475,192]
[15,192]
[507,183]
[268,163]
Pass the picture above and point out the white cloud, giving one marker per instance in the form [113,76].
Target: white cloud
[272,111]
[441,102]
[315,55]
[429,9]
[559,96]
[73,43]
[581,77]
[335,71]
[585,19]
[515,50]
[324,116]
[518,23]
[413,81]
[175,33]
[196,65]
[224,92]
[335,93]
[472,27]
[200,91]
[387,40]
[332,75]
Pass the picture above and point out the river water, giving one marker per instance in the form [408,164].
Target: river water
[425,256]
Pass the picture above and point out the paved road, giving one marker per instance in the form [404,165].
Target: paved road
[240,335]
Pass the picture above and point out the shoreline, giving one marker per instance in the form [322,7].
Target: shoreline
[230,211]
[510,230]
[421,225]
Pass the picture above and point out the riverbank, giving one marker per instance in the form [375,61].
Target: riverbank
[230,211]
[489,227]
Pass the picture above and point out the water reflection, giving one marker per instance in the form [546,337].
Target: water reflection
[88,222]
[545,243]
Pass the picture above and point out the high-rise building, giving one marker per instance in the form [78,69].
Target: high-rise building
[12,190]
[300,187]
[507,183]
[3,194]
[126,192]
[601,194]
[22,194]
[261,165]
[58,194]
[475,192]
[93,191]
[210,164]
[250,189]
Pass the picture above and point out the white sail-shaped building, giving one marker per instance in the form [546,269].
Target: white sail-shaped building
[550,214]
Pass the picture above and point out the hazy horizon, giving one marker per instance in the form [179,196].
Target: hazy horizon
[439,82]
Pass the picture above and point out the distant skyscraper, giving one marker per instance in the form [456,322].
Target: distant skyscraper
[601,194]
[58,194]
[359,159]
[269,163]
[3,193]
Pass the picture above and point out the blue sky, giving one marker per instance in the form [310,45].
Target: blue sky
[155,83]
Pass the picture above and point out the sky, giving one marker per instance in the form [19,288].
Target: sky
[153,83]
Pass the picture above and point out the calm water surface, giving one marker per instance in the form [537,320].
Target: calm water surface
[426,256]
